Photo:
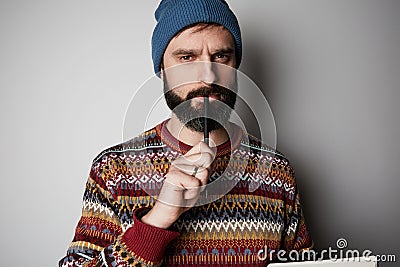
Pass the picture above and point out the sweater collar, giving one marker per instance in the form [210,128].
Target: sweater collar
[167,138]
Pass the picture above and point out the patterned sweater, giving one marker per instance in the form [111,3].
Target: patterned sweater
[261,209]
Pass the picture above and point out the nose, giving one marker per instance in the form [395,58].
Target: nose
[207,73]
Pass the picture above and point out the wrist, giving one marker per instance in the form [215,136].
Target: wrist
[159,218]
[145,241]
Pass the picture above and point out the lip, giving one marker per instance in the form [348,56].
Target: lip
[211,98]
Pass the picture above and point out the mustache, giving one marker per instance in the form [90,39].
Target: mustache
[203,91]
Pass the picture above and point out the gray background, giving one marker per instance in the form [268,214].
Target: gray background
[330,70]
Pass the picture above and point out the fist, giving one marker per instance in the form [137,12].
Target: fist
[186,179]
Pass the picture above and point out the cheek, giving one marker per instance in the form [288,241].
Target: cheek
[183,90]
[167,63]
[180,75]
[186,89]
[180,91]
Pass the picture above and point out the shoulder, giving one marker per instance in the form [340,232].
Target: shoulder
[118,159]
[256,148]
[267,161]
[134,146]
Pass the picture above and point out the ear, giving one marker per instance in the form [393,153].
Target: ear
[162,70]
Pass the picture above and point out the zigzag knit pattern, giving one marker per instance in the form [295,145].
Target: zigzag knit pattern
[261,208]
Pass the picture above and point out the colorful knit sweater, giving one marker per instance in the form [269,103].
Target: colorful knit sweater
[261,209]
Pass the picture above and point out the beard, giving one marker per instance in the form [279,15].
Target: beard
[219,111]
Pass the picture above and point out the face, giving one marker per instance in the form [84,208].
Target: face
[206,44]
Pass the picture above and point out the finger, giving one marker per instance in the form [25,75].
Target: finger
[191,202]
[203,177]
[192,193]
[191,170]
[181,180]
[201,160]
[200,173]
[178,188]
[200,155]
[171,194]
[201,147]
[189,186]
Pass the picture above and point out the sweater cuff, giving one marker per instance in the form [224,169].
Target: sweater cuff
[146,241]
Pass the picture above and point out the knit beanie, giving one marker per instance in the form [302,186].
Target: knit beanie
[173,15]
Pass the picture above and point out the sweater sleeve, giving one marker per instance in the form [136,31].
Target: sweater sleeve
[100,238]
[297,236]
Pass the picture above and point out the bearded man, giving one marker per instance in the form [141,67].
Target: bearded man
[169,197]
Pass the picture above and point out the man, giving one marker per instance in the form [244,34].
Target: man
[186,223]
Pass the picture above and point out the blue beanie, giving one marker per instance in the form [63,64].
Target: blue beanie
[173,15]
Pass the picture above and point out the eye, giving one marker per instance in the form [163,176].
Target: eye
[186,58]
[221,58]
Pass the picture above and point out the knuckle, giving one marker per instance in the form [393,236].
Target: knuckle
[194,182]
[208,158]
[172,173]
[204,147]
[177,161]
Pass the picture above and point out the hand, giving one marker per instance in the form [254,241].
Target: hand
[186,178]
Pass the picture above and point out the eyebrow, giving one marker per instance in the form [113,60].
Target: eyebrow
[182,51]
[224,51]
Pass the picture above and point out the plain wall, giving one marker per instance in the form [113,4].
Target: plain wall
[329,69]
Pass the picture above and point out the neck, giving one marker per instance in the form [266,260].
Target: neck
[190,137]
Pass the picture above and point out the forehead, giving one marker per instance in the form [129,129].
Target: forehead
[200,34]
